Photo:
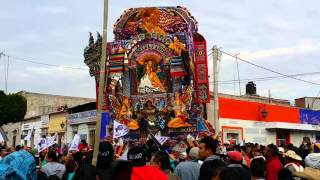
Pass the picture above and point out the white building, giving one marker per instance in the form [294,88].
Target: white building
[31,125]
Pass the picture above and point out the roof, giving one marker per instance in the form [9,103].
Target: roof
[35,93]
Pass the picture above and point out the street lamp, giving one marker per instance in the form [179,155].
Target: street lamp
[62,125]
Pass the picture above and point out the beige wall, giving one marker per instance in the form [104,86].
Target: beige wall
[11,130]
[39,104]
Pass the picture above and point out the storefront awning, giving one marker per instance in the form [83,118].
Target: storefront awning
[282,125]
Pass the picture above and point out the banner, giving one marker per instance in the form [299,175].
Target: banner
[28,137]
[309,117]
[119,129]
[51,140]
[42,145]
[75,143]
[161,139]
[105,122]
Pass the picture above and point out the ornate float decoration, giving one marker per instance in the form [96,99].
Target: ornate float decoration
[157,71]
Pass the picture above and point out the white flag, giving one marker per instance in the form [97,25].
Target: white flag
[119,129]
[51,140]
[161,139]
[42,144]
[28,136]
[75,143]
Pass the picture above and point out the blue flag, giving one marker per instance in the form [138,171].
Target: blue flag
[105,122]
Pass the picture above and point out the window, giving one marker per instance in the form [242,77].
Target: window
[318,138]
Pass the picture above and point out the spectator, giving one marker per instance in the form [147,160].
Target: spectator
[137,156]
[211,169]
[18,165]
[246,159]
[293,161]
[86,172]
[285,174]
[207,151]
[120,169]
[312,169]
[273,162]
[190,169]
[161,160]
[105,158]
[231,173]
[84,146]
[71,167]
[258,168]
[53,167]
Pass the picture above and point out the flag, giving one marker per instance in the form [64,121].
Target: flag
[119,129]
[75,143]
[161,139]
[51,140]
[28,136]
[105,122]
[42,144]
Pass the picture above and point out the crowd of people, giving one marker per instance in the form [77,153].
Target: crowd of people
[209,160]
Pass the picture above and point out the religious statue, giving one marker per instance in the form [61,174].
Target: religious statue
[181,116]
[123,112]
[150,79]
[177,46]
[149,112]
[149,20]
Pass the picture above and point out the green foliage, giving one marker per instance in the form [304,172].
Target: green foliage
[13,108]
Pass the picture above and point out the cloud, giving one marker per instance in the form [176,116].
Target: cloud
[284,51]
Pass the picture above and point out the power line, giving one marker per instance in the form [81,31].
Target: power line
[268,69]
[41,63]
[269,77]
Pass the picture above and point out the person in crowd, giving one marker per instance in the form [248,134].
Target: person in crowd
[161,160]
[84,146]
[18,165]
[207,149]
[258,168]
[236,161]
[273,162]
[293,161]
[71,167]
[53,167]
[137,156]
[312,169]
[246,159]
[86,172]
[105,158]
[216,167]
[120,169]
[284,174]
[189,169]
[232,173]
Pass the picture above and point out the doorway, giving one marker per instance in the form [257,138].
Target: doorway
[283,137]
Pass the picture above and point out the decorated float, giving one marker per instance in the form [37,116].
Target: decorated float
[157,72]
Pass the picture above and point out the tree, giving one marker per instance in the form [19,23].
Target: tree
[13,108]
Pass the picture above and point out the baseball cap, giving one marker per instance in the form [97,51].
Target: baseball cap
[235,155]
[137,156]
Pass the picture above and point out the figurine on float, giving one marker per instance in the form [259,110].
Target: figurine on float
[124,112]
[180,111]
[150,79]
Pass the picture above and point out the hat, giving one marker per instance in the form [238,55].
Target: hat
[105,155]
[137,156]
[194,153]
[291,154]
[308,173]
[281,149]
[147,173]
[313,160]
[235,155]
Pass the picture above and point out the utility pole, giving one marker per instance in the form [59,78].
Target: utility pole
[102,81]
[215,58]
[238,73]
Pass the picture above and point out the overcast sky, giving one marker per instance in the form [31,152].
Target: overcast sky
[280,35]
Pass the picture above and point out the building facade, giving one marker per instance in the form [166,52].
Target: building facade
[31,125]
[260,121]
[13,133]
[312,103]
[58,124]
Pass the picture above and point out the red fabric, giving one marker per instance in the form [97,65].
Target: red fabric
[147,173]
[247,159]
[273,167]
[82,146]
